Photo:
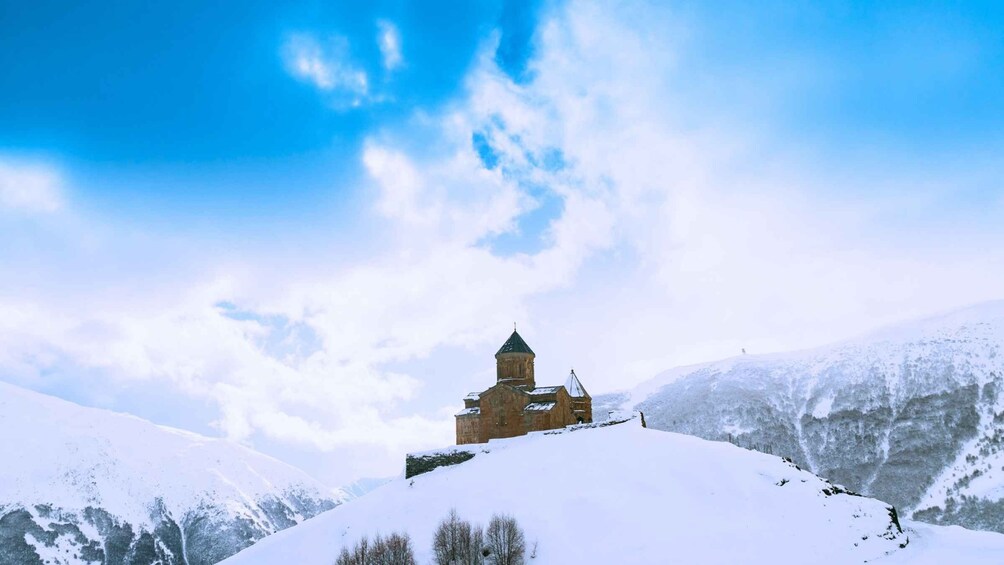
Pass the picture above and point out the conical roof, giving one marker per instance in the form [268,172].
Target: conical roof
[515,344]
[575,388]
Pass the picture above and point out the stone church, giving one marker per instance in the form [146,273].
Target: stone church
[516,405]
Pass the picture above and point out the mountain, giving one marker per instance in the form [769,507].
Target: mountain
[83,485]
[913,415]
[359,487]
[625,494]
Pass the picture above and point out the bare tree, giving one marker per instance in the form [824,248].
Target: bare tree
[457,542]
[472,545]
[445,541]
[505,541]
[395,549]
[357,556]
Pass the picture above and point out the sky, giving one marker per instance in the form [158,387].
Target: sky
[308,226]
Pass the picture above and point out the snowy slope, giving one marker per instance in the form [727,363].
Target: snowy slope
[363,486]
[619,494]
[912,414]
[87,485]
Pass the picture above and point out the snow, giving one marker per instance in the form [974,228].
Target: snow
[75,457]
[735,430]
[942,545]
[896,369]
[972,328]
[823,408]
[466,411]
[990,483]
[633,495]
[545,390]
[62,552]
[539,407]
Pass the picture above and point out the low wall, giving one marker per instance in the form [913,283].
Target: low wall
[423,462]
[418,464]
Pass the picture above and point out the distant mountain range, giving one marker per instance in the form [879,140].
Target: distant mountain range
[912,415]
[83,485]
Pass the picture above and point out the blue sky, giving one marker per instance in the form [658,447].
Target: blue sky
[190,105]
[188,108]
[308,226]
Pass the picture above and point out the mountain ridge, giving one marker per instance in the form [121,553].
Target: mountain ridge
[911,413]
[99,486]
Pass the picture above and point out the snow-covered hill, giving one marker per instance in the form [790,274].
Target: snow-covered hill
[625,494]
[82,485]
[913,415]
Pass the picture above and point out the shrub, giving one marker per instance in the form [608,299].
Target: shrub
[457,542]
[505,541]
[395,549]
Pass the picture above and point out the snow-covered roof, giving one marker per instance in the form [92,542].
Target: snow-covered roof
[469,411]
[545,390]
[539,406]
[575,388]
[473,396]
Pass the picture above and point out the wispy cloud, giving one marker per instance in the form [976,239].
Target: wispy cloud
[389,40]
[680,237]
[30,188]
[328,66]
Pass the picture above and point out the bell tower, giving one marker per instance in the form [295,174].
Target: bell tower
[514,363]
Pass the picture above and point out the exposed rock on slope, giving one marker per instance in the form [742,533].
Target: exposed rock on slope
[82,485]
[913,415]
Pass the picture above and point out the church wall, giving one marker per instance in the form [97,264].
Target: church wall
[469,429]
[515,369]
[538,397]
[538,421]
[583,407]
[502,412]
[558,417]
[563,409]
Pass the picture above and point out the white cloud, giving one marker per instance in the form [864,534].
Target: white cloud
[389,40]
[30,188]
[728,244]
[327,66]
[677,240]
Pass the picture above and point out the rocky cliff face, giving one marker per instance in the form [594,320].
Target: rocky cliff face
[82,485]
[913,415]
[203,536]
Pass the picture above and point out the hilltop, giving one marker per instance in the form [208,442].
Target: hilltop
[625,494]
